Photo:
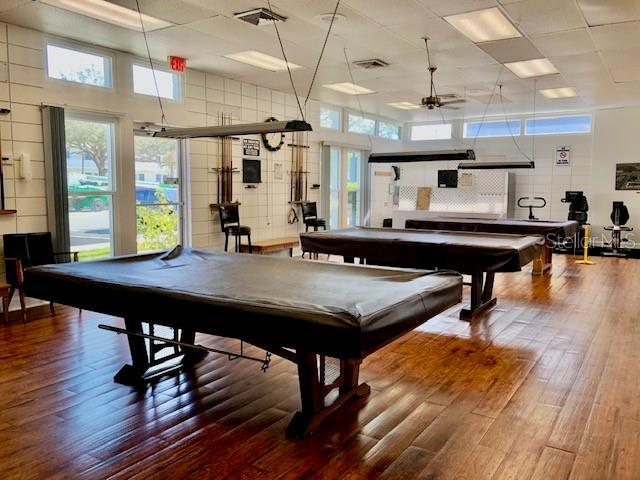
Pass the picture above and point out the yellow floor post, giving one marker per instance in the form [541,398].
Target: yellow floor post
[585,258]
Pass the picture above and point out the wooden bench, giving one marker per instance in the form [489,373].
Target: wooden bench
[272,245]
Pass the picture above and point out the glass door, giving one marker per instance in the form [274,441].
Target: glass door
[90,155]
[158,193]
[345,187]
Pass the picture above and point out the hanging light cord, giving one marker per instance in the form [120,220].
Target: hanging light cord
[153,70]
[286,61]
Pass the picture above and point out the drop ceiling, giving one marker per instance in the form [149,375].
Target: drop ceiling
[594,45]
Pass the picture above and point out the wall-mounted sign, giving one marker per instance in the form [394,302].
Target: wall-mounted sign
[563,156]
[177,64]
[628,176]
[278,171]
[251,147]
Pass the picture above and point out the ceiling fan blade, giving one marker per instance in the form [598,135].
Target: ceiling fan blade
[444,105]
[449,102]
[448,95]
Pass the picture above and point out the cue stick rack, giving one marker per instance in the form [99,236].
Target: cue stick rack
[224,169]
[3,209]
[298,173]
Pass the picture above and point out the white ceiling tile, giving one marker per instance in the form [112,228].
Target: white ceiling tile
[621,58]
[177,12]
[625,74]
[511,50]
[535,17]
[602,12]
[385,12]
[582,63]
[617,36]
[462,57]
[571,42]
[441,35]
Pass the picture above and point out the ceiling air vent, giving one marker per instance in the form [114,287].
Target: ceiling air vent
[371,63]
[259,16]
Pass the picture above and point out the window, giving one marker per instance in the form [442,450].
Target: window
[364,125]
[440,131]
[388,130]
[345,185]
[168,82]
[330,118]
[90,167]
[558,125]
[78,66]
[158,202]
[500,128]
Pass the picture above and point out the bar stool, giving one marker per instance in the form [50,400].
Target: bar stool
[310,217]
[230,224]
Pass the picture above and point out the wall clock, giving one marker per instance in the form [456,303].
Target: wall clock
[273,141]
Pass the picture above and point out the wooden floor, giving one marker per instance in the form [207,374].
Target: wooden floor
[546,386]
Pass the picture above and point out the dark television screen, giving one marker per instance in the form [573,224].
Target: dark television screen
[448,178]
[251,171]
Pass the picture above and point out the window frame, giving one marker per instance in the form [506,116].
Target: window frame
[450,137]
[81,48]
[505,121]
[364,116]
[527,119]
[180,84]
[391,123]
[340,113]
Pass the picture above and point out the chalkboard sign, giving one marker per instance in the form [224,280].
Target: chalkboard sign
[251,171]
[448,178]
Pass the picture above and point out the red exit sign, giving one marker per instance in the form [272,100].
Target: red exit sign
[177,64]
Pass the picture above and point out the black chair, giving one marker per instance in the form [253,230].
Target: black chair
[230,224]
[619,218]
[310,217]
[22,250]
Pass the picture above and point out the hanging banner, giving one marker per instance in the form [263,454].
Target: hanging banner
[563,156]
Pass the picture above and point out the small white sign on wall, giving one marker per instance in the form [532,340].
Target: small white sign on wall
[563,156]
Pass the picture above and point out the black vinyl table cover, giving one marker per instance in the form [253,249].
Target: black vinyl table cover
[337,310]
[559,228]
[463,252]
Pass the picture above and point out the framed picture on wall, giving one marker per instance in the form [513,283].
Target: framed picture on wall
[278,173]
[628,176]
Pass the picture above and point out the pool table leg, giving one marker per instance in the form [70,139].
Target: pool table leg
[481,295]
[133,374]
[313,393]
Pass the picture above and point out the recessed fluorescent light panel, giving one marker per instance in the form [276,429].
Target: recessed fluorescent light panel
[532,68]
[564,92]
[262,60]
[348,88]
[110,13]
[484,25]
[403,105]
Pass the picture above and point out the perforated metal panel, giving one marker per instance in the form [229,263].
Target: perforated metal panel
[482,191]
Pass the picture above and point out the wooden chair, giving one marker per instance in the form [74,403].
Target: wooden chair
[23,250]
[310,217]
[230,224]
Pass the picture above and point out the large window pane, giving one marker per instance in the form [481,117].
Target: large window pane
[90,161]
[354,163]
[90,226]
[492,129]
[157,193]
[77,66]
[389,130]
[440,131]
[558,125]
[168,83]
[329,118]
[358,124]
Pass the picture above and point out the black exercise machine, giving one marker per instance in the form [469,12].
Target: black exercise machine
[578,211]
[619,217]
[534,202]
